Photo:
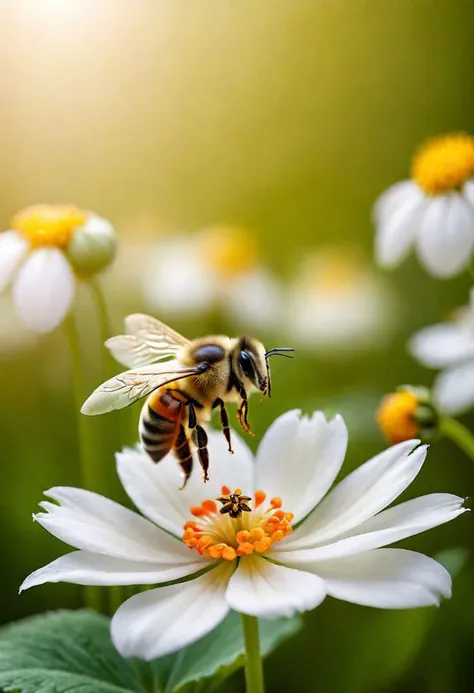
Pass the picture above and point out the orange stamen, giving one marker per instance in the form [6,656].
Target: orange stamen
[225,490]
[242,536]
[259,498]
[256,534]
[263,545]
[276,502]
[209,505]
[245,549]
[229,553]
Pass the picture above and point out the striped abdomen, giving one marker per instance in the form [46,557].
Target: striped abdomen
[160,423]
[161,428]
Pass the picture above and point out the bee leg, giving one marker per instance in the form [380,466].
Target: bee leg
[184,454]
[224,422]
[203,454]
[192,421]
[242,413]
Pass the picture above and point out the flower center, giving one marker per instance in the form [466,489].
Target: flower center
[229,251]
[48,225]
[236,529]
[444,163]
[396,416]
[333,271]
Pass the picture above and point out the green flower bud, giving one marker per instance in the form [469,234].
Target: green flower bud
[92,246]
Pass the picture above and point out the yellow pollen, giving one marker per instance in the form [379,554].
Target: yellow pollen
[396,416]
[444,163]
[49,225]
[229,250]
[225,536]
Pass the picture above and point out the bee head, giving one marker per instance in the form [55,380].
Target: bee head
[251,363]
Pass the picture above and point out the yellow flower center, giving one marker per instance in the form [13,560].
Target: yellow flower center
[230,251]
[396,416]
[332,271]
[236,529]
[48,225]
[444,163]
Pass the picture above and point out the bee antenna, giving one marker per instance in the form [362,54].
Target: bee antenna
[279,351]
[269,381]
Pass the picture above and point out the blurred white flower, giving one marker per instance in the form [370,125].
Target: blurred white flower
[293,543]
[434,211]
[337,304]
[218,268]
[13,336]
[40,254]
[450,346]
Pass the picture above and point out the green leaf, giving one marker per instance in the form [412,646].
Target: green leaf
[221,652]
[71,651]
[63,651]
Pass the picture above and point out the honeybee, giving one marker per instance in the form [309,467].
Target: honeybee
[184,381]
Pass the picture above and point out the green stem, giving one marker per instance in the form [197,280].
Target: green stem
[253,657]
[116,594]
[104,321]
[86,453]
[459,434]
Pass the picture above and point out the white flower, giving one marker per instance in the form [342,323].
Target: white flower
[255,563]
[38,257]
[338,305]
[450,346]
[217,268]
[14,339]
[434,211]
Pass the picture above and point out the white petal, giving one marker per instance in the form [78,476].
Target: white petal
[44,289]
[391,199]
[299,458]
[261,588]
[442,345]
[253,300]
[156,488]
[362,494]
[13,248]
[387,579]
[446,238]
[89,521]
[453,389]
[86,568]
[389,526]
[398,224]
[160,621]
[468,191]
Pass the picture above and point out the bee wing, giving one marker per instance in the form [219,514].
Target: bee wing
[130,386]
[147,340]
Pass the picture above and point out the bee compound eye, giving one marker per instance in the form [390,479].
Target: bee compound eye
[246,364]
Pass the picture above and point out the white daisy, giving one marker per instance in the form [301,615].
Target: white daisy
[217,268]
[450,346]
[298,543]
[434,211]
[46,247]
[338,304]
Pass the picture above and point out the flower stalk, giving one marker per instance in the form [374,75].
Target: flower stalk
[86,457]
[459,434]
[116,593]
[253,658]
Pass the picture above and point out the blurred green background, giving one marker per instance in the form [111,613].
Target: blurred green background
[288,118]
